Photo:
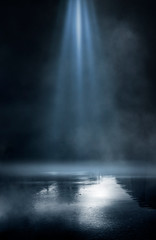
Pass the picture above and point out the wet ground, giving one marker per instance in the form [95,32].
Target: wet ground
[78,207]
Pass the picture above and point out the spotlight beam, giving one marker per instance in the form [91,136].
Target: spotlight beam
[76,80]
[78,24]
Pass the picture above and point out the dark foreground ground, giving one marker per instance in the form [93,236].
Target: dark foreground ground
[78,207]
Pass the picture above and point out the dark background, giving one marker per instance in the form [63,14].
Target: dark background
[30,35]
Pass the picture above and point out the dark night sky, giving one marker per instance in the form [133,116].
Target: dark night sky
[30,33]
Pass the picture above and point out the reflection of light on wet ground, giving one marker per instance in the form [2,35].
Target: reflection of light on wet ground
[49,191]
[103,191]
[87,207]
[96,198]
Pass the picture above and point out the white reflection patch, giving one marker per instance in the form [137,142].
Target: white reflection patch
[50,190]
[98,197]
[105,190]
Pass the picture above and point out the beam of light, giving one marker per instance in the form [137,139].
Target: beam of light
[79,60]
[78,24]
[76,98]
